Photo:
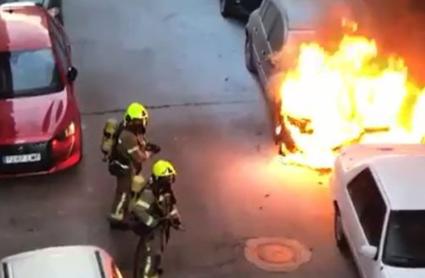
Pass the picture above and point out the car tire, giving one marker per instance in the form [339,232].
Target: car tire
[340,238]
[249,59]
[226,8]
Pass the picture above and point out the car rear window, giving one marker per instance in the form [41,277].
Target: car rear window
[28,73]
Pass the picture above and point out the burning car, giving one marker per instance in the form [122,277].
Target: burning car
[328,87]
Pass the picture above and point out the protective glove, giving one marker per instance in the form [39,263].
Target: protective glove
[176,223]
[179,227]
[153,148]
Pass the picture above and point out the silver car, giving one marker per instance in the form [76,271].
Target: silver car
[273,33]
[64,262]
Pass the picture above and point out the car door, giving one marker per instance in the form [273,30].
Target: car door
[268,14]
[364,214]
[258,36]
[275,44]
[372,221]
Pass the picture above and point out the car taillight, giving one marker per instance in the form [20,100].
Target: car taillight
[69,131]
[63,143]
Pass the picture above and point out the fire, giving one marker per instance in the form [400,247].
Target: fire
[351,95]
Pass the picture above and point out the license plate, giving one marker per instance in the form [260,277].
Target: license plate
[22,158]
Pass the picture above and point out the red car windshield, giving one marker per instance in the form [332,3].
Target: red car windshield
[28,73]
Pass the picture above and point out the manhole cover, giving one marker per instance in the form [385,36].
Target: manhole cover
[276,254]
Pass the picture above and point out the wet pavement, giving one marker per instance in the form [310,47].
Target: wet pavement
[207,112]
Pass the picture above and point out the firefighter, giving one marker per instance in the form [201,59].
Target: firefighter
[130,150]
[154,213]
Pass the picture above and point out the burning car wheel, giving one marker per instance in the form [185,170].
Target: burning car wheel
[281,134]
[226,8]
[249,61]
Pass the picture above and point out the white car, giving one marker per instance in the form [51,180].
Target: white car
[63,262]
[379,199]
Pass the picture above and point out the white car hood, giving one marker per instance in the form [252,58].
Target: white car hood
[398,272]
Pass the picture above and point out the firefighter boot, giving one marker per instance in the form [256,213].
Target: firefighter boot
[117,216]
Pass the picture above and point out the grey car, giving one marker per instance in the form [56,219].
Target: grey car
[53,6]
[273,33]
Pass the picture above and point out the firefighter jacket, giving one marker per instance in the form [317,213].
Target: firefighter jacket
[152,209]
[131,149]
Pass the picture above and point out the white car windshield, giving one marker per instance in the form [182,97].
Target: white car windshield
[405,242]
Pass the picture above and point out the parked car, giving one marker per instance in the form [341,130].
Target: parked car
[54,7]
[279,27]
[379,200]
[64,262]
[235,8]
[40,122]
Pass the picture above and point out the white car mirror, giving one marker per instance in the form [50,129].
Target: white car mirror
[369,251]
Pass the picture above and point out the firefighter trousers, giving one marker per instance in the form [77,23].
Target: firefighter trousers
[121,197]
[148,255]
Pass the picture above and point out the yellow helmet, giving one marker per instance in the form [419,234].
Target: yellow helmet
[136,111]
[163,168]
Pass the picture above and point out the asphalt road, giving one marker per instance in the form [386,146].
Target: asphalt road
[186,62]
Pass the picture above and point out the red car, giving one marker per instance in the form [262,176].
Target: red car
[40,123]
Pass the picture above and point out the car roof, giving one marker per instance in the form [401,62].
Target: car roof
[402,179]
[307,14]
[23,27]
[360,154]
[399,170]
[62,261]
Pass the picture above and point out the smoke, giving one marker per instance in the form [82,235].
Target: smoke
[398,28]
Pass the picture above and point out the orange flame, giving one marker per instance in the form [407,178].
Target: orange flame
[351,95]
